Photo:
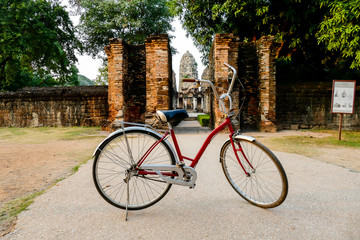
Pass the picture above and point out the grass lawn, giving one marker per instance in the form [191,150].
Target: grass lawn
[309,145]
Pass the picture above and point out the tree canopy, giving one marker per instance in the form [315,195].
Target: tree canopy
[132,21]
[37,44]
[340,29]
[319,34]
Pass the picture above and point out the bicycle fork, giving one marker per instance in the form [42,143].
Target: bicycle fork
[239,149]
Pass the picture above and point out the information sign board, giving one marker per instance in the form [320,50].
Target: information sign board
[343,96]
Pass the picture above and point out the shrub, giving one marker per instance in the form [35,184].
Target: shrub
[204,120]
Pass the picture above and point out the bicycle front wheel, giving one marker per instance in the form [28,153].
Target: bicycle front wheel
[114,169]
[266,183]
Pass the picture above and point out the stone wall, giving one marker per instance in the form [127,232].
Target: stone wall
[308,105]
[54,106]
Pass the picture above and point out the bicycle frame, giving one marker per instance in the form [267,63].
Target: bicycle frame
[194,161]
[226,123]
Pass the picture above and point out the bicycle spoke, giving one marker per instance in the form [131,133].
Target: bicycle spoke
[112,165]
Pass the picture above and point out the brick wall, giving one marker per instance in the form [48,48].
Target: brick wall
[225,49]
[158,75]
[308,105]
[126,81]
[55,106]
[266,50]
[255,63]
[139,79]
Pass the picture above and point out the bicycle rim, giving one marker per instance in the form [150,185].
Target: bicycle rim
[113,163]
[266,185]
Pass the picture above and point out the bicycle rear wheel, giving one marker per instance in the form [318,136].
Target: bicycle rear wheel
[113,164]
[266,184]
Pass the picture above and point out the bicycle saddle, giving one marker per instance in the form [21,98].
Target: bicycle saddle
[172,115]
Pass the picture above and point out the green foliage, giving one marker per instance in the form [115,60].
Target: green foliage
[291,21]
[132,21]
[102,77]
[320,36]
[13,208]
[204,120]
[84,81]
[340,30]
[37,44]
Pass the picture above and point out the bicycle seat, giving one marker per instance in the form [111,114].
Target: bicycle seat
[172,115]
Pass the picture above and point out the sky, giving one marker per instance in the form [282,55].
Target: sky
[89,67]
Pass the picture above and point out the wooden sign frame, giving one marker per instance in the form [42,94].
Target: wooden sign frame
[343,99]
[343,96]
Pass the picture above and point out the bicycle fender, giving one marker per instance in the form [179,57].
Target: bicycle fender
[137,128]
[244,137]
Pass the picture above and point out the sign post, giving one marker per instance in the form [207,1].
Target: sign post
[343,99]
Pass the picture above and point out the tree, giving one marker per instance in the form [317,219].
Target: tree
[320,38]
[340,30]
[37,44]
[132,21]
[292,21]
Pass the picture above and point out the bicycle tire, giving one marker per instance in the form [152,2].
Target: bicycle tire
[267,184]
[112,163]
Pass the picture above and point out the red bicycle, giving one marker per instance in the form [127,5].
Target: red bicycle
[135,167]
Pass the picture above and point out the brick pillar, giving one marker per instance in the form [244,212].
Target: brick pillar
[225,49]
[267,50]
[117,72]
[158,75]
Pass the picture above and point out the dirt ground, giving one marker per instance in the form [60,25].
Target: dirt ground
[27,168]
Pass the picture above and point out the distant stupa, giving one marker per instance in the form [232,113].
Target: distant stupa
[188,69]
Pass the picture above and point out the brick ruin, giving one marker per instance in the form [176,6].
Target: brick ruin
[255,63]
[54,107]
[141,81]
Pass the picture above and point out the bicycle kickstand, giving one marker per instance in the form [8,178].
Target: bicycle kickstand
[128,196]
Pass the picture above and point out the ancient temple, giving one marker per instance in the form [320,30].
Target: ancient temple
[193,100]
[188,69]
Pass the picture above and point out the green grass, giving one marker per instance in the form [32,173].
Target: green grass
[308,145]
[45,134]
[11,209]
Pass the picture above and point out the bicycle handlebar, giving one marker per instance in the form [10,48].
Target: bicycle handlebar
[233,78]
[223,96]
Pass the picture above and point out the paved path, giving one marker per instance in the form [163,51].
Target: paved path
[323,203]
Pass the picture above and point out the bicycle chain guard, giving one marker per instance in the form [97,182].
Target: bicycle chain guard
[179,179]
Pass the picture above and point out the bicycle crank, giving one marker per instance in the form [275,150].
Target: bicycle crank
[180,179]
